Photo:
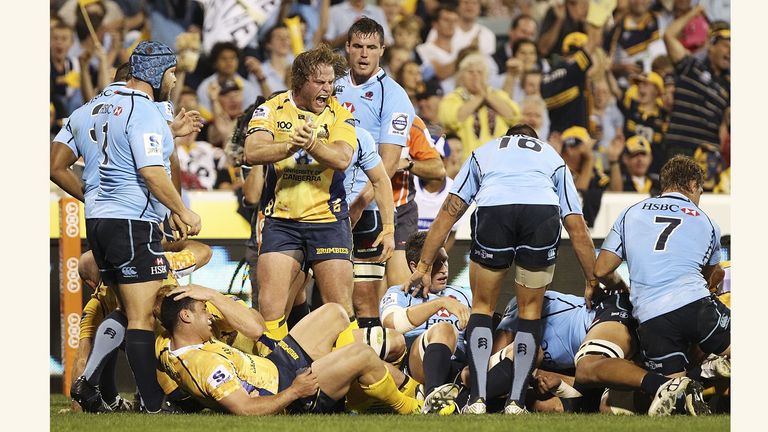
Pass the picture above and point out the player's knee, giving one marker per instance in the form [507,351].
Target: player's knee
[396,345]
[202,253]
[334,314]
[443,332]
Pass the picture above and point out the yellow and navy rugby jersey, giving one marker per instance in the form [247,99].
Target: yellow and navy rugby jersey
[565,93]
[213,370]
[631,37]
[298,187]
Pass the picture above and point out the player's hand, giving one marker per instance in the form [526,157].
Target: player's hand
[186,122]
[457,308]
[192,222]
[387,240]
[419,282]
[546,383]
[196,292]
[304,136]
[589,292]
[178,227]
[305,384]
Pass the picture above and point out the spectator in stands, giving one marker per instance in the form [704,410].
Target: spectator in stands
[693,35]
[645,115]
[605,119]
[631,173]
[409,76]
[564,87]
[344,14]
[702,90]
[634,42]
[65,71]
[203,166]
[475,111]
[531,85]
[407,35]
[228,105]
[534,111]
[225,58]
[109,10]
[523,27]
[439,54]
[394,58]
[393,11]
[427,104]
[188,53]
[270,75]
[95,73]
[525,58]
[562,19]
[169,18]
[469,32]
[590,178]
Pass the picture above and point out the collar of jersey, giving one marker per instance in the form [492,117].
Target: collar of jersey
[125,91]
[179,351]
[378,76]
[676,195]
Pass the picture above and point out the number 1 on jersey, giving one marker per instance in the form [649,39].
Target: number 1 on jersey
[672,224]
[104,129]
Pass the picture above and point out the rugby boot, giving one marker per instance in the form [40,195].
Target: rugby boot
[88,396]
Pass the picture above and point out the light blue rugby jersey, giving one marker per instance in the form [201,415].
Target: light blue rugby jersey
[380,105]
[134,134]
[565,322]
[365,158]
[517,169]
[395,297]
[666,241]
[79,134]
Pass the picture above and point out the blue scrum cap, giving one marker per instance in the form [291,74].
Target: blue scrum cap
[150,60]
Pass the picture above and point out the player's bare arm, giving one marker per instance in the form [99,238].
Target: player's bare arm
[452,210]
[160,185]
[61,159]
[429,169]
[585,252]
[241,403]
[247,321]
[335,155]
[261,148]
[382,189]
[253,185]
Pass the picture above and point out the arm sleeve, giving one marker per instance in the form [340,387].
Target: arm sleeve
[715,256]
[343,128]
[369,156]
[166,108]
[145,137]
[467,181]
[263,119]
[420,144]
[566,192]
[396,117]
[614,242]
[393,298]
[216,377]
[65,137]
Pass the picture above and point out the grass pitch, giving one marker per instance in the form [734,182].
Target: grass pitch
[69,421]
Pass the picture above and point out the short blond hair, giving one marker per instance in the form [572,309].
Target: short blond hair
[470,60]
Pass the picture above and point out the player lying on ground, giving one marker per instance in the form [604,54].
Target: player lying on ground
[302,374]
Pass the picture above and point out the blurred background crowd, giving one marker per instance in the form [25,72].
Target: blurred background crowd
[617,86]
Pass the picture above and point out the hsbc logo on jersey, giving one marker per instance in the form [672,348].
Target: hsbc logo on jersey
[443,313]
[690,212]
[118,111]
[349,106]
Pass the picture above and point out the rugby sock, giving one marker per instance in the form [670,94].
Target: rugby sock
[526,346]
[277,329]
[297,313]
[652,382]
[386,391]
[499,378]
[346,337]
[109,336]
[409,386]
[108,382]
[368,322]
[480,341]
[437,364]
[140,349]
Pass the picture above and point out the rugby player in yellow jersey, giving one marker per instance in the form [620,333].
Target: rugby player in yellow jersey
[302,374]
[102,329]
[306,139]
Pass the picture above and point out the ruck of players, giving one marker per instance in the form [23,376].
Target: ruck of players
[353,306]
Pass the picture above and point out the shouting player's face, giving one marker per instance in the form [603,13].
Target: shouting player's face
[169,81]
[364,52]
[315,92]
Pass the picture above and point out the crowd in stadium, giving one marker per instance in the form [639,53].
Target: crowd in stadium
[355,136]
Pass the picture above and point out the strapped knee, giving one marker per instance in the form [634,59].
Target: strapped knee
[368,271]
[599,347]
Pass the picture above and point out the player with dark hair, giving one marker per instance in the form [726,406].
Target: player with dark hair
[669,274]
[306,139]
[523,190]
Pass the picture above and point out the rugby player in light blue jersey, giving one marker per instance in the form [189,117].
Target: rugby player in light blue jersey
[135,194]
[382,107]
[671,248]
[433,326]
[523,190]
[372,245]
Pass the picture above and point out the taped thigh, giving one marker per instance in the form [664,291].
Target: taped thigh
[534,278]
[368,271]
[599,347]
